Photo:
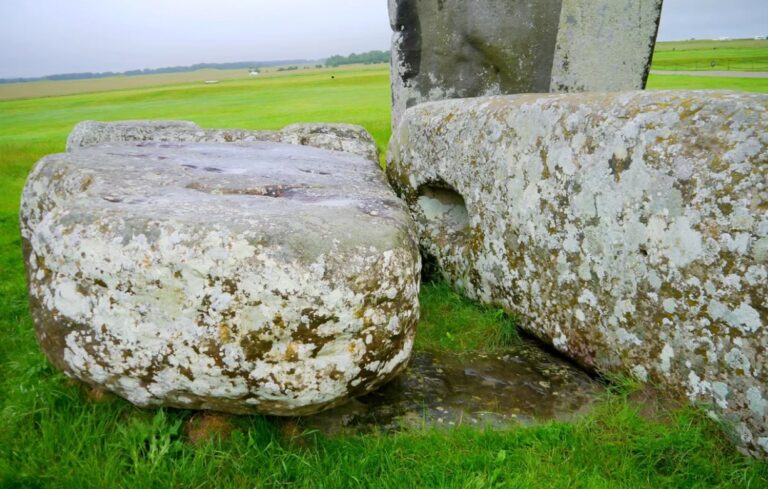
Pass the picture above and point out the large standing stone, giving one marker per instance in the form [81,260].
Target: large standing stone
[337,137]
[456,48]
[263,278]
[631,230]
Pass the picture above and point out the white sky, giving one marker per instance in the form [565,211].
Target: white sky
[43,37]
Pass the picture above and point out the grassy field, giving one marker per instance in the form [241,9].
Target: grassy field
[736,55]
[683,82]
[56,434]
[10,91]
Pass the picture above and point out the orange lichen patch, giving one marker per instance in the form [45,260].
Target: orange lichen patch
[291,353]
[225,334]
[97,395]
[292,431]
[206,426]
[290,428]
[655,406]
[92,394]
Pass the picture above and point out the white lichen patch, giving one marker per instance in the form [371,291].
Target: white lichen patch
[262,278]
[628,228]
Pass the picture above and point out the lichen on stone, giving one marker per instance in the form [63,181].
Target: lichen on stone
[245,278]
[627,228]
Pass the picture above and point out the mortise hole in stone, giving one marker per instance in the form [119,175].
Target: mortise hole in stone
[443,206]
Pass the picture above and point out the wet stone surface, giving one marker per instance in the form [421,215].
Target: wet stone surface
[522,385]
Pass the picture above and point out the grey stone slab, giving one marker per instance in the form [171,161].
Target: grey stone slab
[630,229]
[337,137]
[245,278]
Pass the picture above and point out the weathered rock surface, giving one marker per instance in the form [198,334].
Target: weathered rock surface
[454,48]
[522,385]
[631,230]
[337,137]
[263,278]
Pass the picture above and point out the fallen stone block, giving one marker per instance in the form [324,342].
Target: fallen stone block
[259,278]
[337,137]
[629,229]
[455,48]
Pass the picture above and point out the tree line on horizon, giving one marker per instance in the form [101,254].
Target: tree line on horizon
[159,71]
[368,58]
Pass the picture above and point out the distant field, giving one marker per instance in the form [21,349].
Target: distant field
[70,87]
[12,91]
[736,55]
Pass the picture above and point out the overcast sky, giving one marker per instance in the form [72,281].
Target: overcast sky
[43,37]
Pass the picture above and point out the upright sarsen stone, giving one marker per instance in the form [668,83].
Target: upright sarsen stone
[604,45]
[629,229]
[455,49]
[258,278]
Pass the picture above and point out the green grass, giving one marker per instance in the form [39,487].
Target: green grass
[451,322]
[52,435]
[63,441]
[683,82]
[736,55]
